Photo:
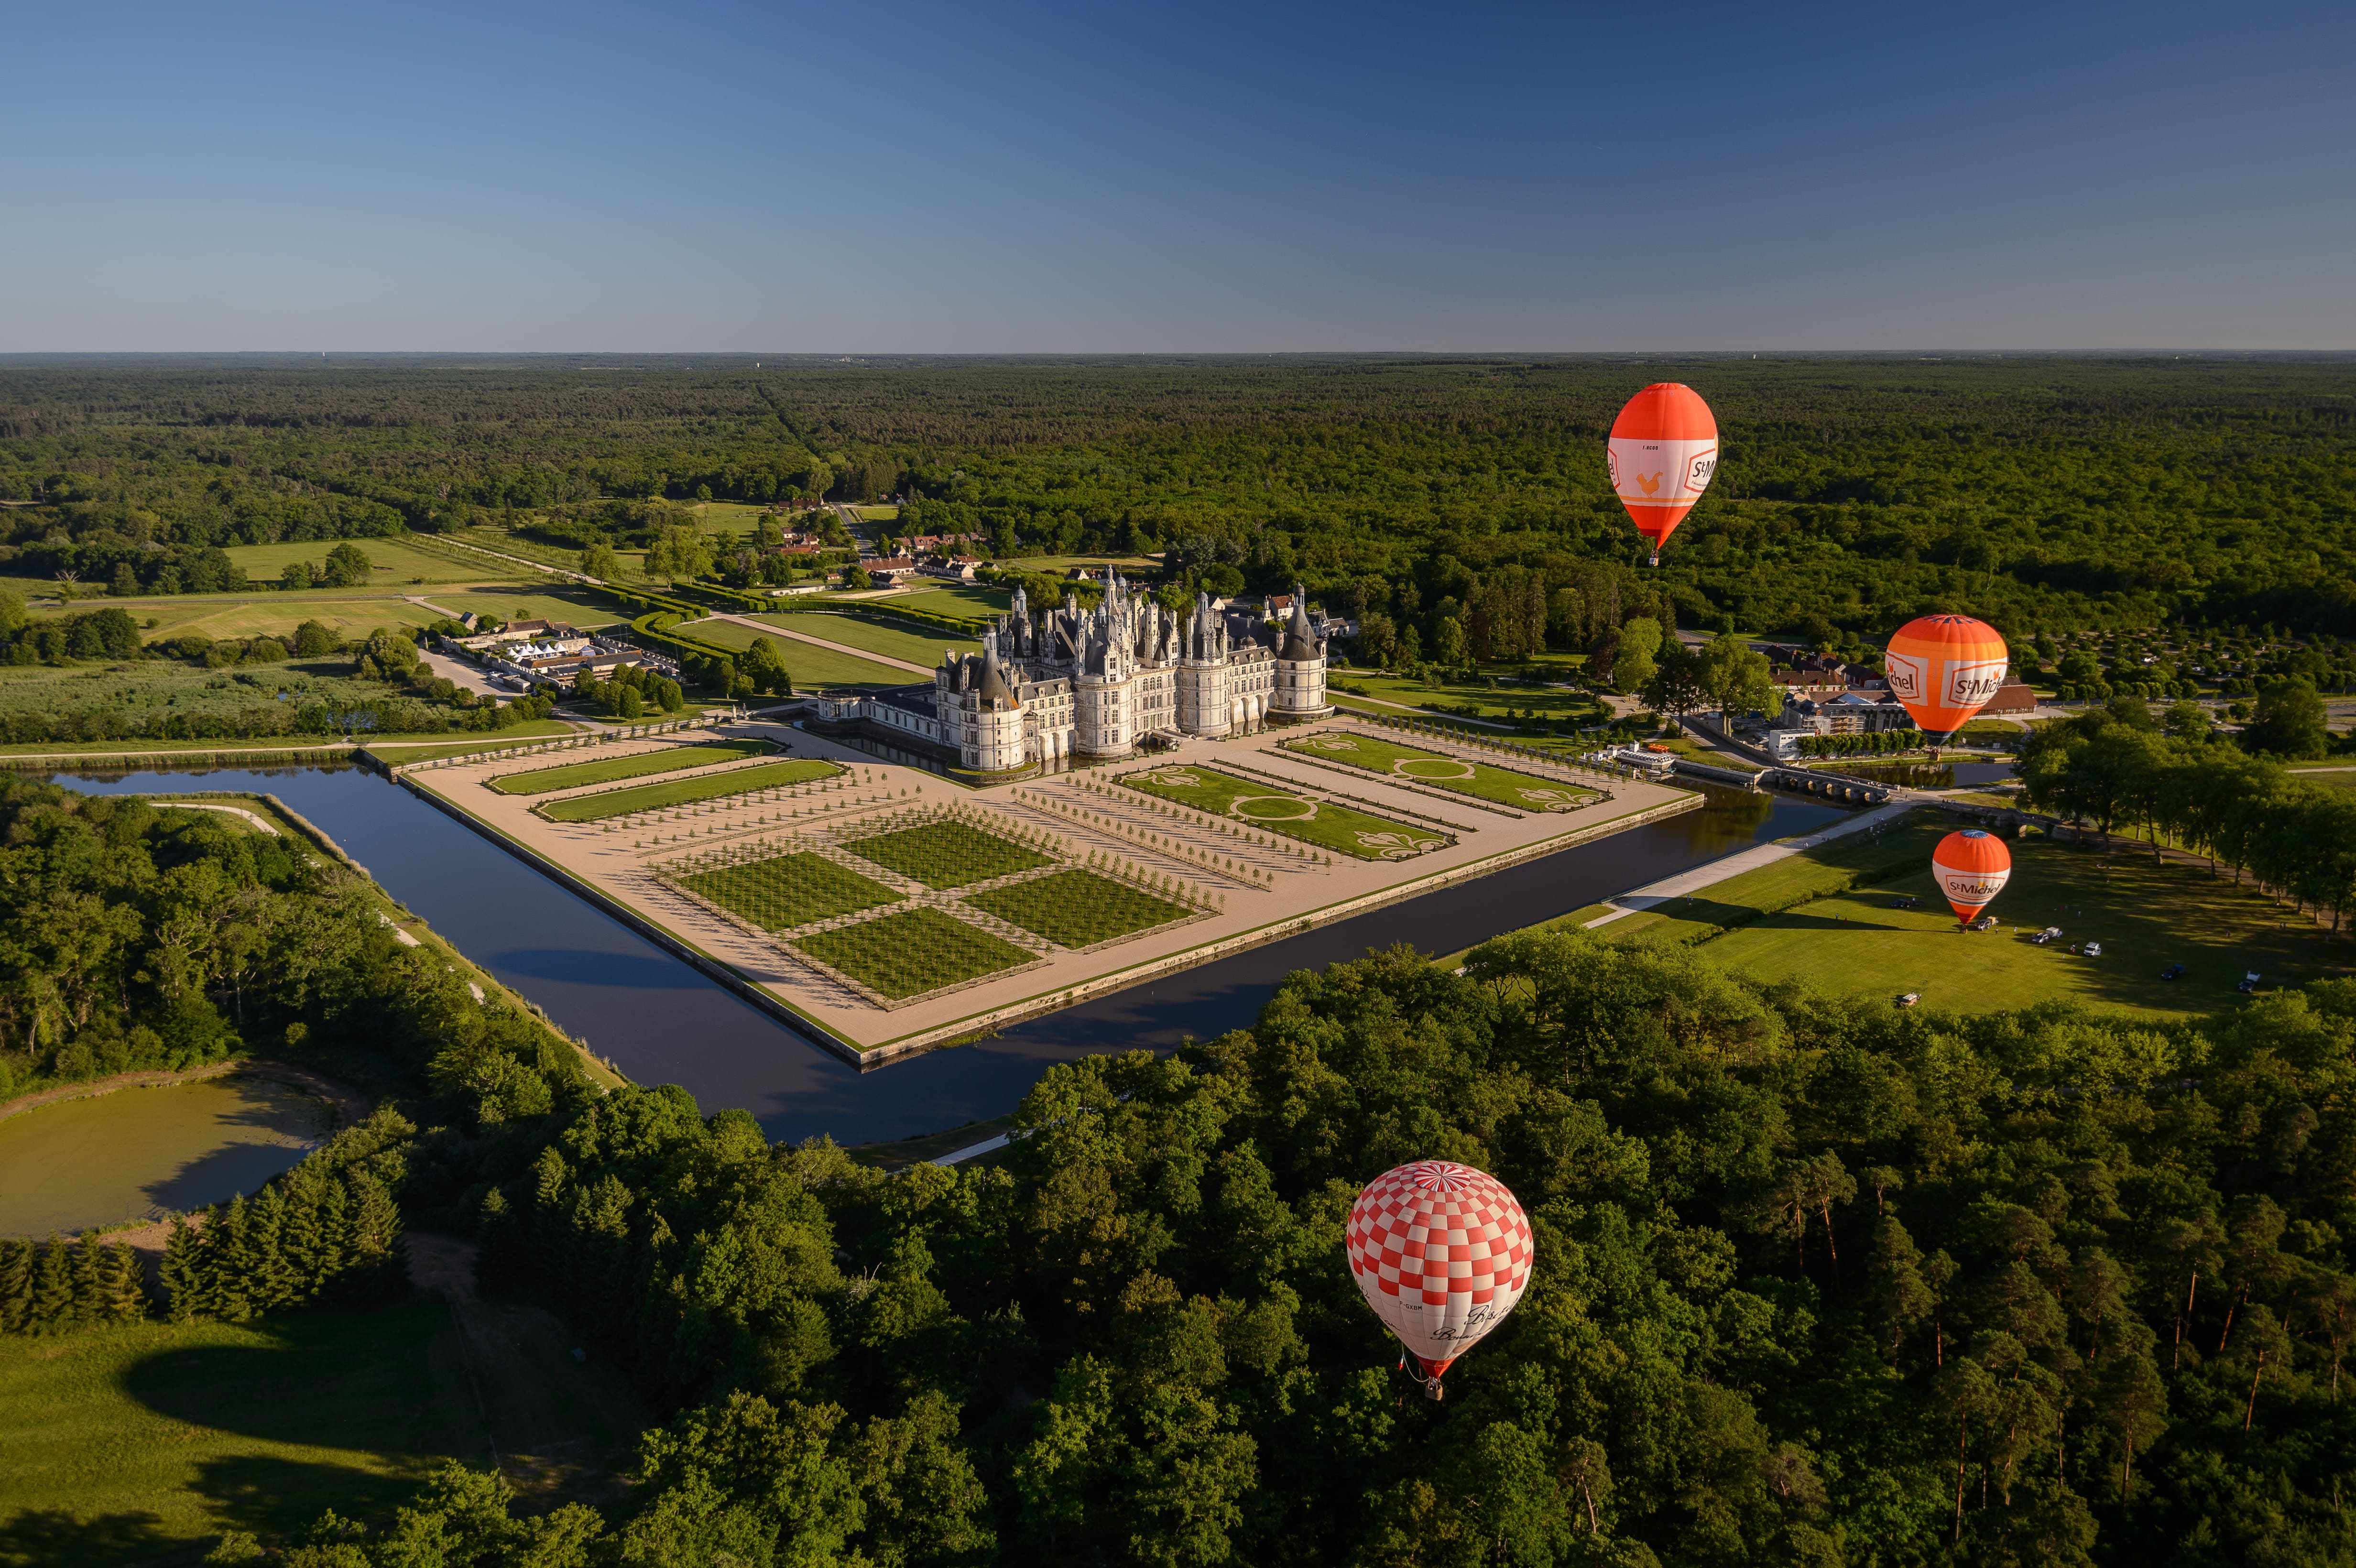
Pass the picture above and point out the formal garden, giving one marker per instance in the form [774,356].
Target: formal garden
[1437,770]
[780,892]
[691,791]
[1078,908]
[912,952]
[1327,824]
[948,852]
[637,764]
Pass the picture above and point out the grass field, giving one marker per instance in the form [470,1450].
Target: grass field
[125,1443]
[811,668]
[609,769]
[898,640]
[706,786]
[946,854]
[787,891]
[1507,701]
[536,601]
[527,733]
[1459,775]
[1078,909]
[1829,919]
[968,601]
[392,562]
[349,613]
[1355,833]
[913,952]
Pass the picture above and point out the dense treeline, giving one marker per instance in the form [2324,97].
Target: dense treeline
[1816,1282]
[2045,494]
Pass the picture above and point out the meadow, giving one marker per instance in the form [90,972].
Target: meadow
[812,668]
[565,606]
[391,562]
[896,639]
[946,854]
[1437,770]
[1323,823]
[609,769]
[912,952]
[1078,907]
[786,891]
[715,785]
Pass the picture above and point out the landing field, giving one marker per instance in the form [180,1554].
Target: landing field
[884,908]
[1830,919]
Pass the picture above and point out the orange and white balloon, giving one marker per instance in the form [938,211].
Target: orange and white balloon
[1663,452]
[1441,1252]
[1944,668]
[1971,867]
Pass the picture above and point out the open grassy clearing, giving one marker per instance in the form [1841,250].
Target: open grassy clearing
[1507,702]
[1437,770]
[968,601]
[946,854]
[349,613]
[391,562]
[125,1443]
[717,785]
[538,601]
[1076,907]
[898,640]
[607,770]
[912,952]
[1359,834]
[877,514]
[1829,918]
[787,891]
[811,668]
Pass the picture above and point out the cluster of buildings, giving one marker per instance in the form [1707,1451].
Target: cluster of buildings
[1110,680]
[528,654]
[1822,695]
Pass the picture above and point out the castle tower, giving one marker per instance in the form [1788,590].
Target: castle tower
[1300,693]
[993,741]
[1203,698]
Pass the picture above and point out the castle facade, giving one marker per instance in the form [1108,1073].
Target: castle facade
[1103,682]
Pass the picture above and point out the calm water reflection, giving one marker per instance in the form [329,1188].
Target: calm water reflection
[664,1023]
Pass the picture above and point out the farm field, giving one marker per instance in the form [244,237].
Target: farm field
[913,952]
[898,641]
[787,890]
[391,562]
[1323,823]
[1829,919]
[946,854]
[969,601]
[1078,907]
[706,786]
[131,1444]
[1481,780]
[607,770]
[810,667]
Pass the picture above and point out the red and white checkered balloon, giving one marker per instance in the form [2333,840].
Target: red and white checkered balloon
[1441,1252]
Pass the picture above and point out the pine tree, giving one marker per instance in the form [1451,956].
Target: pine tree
[228,1261]
[300,1244]
[52,1307]
[91,1266]
[181,1274]
[127,1286]
[15,1285]
[270,1284]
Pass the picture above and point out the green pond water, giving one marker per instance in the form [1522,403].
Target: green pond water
[140,1154]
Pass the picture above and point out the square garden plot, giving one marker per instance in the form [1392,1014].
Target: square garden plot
[1437,770]
[1352,832]
[787,890]
[946,854]
[912,952]
[1079,909]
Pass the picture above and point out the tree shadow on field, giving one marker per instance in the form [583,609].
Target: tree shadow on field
[44,1538]
[281,1499]
[235,1167]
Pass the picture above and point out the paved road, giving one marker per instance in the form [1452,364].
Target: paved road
[1742,860]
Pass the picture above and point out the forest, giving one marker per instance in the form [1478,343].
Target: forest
[2046,494]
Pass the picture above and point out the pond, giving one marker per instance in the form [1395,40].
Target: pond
[662,1022]
[140,1154]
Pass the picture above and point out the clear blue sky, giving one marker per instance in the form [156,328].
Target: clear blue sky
[989,176]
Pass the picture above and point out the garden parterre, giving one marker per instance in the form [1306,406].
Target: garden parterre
[688,791]
[637,765]
[947,853]
[782,891]
[912,952]
[1437,770]
[1295,814]
[1078,908]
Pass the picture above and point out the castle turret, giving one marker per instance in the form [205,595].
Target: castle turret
[1203,701]
[1300,693]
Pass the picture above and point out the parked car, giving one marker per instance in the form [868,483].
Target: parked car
[1985,923]
[1908,901]
[2173,972]
[2092,950]
[2051,933]
[1910,998]
[2249,982]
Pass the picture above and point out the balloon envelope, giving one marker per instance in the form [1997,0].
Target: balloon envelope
[1441,1252]
[1944,668]
[1971,867]
[1663,452]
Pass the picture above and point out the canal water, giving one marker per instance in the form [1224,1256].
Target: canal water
[662,1022]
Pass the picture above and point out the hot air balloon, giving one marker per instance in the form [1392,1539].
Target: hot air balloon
[1944,668]
[1663,450]
[1971,867]
[1441,1252]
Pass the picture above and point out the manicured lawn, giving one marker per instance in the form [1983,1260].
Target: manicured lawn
[1828,918]
[913,952]
[897,638]
[705,786]
[812,668]
[1460,775]
[530,732]
[127,1445]
[607,769]
[969,601]
[1313,821]
[946,854]
[1549,704]
[787,891]
[1078,909]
